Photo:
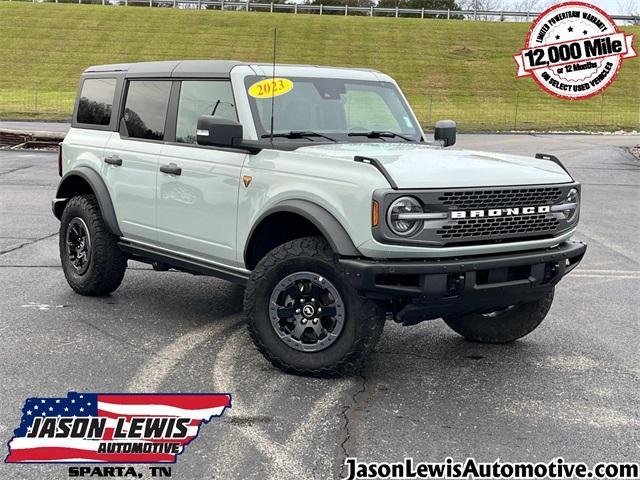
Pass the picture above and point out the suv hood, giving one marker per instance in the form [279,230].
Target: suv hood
[425,166]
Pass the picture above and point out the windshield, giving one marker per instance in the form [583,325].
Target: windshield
[312,109]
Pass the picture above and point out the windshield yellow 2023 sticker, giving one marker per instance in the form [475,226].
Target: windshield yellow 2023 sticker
[270,87]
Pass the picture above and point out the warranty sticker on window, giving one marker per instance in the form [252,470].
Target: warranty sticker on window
[574,51]
[270,87]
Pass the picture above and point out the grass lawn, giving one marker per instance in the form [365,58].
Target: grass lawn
[448,69]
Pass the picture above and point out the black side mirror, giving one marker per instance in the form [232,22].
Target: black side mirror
[218,132]
[445,132]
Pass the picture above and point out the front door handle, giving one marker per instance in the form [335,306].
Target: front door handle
[171,169]
[113,160]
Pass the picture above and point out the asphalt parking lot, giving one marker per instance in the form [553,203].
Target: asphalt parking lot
[570,389]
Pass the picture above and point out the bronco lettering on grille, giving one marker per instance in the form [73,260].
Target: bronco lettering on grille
[499,212]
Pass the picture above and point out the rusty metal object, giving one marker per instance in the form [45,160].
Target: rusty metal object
[15,139]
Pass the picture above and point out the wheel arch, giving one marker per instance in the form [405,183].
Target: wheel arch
[85,180]
[312,217]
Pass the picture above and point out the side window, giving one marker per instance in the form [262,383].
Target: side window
[96,101]
[145,109]
[197,98]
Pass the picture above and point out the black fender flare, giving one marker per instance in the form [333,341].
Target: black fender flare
[333,231]
[96,183]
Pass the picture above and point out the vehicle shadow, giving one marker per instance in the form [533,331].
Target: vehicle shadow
[171,300]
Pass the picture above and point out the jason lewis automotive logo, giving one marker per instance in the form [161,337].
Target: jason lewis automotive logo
[112,428]
[574,51]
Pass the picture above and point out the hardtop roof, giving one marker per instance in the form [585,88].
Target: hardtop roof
[181,68]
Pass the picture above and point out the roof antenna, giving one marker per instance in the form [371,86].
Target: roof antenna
[273,83]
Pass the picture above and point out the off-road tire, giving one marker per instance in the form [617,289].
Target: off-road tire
[364,319]
[107,263]
[511,325]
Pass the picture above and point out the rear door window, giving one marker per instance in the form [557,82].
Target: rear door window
[145,110]
[96,101]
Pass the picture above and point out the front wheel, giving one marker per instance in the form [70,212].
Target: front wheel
[502,326]
[304,317]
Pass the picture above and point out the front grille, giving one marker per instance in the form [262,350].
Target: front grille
[479,225]
[521,225]
[501,198]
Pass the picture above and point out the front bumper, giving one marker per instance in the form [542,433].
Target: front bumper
[433,288]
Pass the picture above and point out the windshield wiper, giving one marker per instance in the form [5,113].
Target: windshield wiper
[297,134]
[379,134]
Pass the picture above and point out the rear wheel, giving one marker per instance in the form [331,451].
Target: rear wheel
[502,326]
[91,260]
[304,317]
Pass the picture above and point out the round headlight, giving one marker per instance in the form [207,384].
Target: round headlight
[399,216]
[573,197]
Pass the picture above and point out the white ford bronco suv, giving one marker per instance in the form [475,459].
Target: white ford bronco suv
[316,188]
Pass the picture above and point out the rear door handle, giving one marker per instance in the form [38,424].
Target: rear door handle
[171,169]
[113,160]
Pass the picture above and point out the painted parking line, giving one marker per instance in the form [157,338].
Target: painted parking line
[153,373]
[283,457]
[617,274]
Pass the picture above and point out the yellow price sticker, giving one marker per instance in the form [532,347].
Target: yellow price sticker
[270,87]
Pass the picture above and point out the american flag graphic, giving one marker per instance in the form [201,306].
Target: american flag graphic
[112,428]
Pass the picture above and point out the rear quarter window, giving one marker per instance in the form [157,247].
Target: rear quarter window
[96,101]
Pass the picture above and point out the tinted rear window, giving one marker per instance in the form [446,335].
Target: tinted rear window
[96,101]
[145,110]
